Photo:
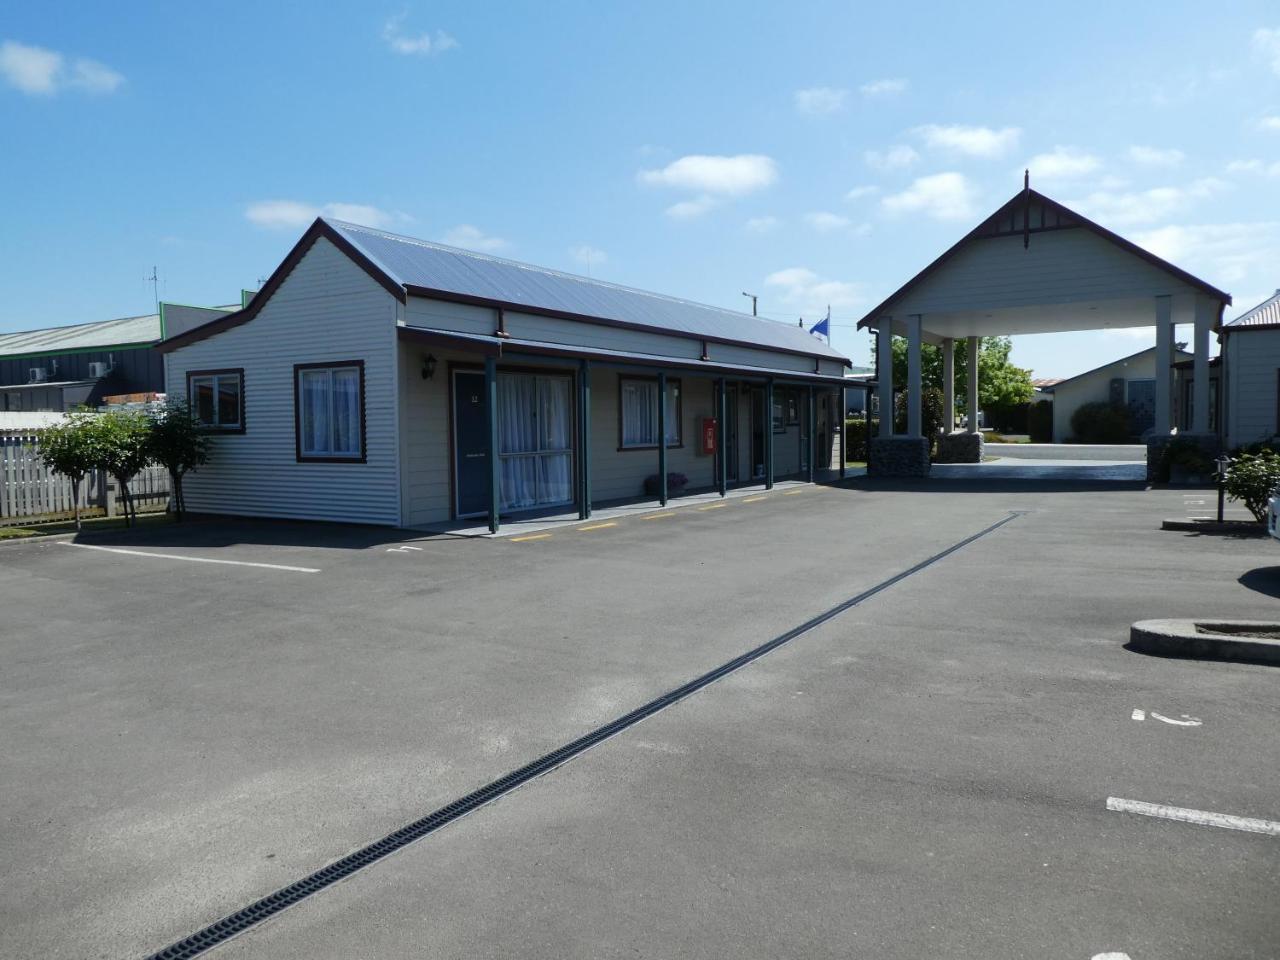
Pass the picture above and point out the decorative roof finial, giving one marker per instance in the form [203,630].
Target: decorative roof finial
[1026,179]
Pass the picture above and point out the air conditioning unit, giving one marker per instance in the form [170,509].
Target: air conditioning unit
[37,375]
[99,369]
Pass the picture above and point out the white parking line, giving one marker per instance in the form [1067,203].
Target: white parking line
[1202,818]
[172,556]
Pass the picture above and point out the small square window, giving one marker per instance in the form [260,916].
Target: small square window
[217,399]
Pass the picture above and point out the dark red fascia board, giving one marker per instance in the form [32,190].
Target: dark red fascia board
[317,230]
[872,317]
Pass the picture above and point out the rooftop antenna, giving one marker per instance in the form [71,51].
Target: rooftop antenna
[154,280]
[753,302]
[1026,208]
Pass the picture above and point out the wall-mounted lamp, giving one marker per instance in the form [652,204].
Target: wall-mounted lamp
[428,366]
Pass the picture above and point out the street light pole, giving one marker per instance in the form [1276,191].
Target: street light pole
[753,302]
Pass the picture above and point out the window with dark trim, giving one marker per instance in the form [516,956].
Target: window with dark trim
[328,408]
[216,399]
[638,413]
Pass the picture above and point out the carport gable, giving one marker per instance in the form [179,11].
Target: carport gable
[1036,266]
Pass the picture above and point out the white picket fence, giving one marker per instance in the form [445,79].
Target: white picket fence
[31,492]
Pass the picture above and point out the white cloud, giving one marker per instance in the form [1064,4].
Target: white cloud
[1155,156]
[1255,166]
[897,157]
[1269,124]
[760,225]
[422,44]
[690,209]
[472,238]
[94,77]
[37,71]
[883,88]
[943,196]
[866,190]
[1226,252]
[287,214]
[825,222]
[1147,206]
[1267,43]
[970,141]
[588,255]
[804,291]
[728,176]
[1063,163]
[819,100]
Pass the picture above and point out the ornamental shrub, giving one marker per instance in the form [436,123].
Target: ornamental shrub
[1099,423]
[1253,478]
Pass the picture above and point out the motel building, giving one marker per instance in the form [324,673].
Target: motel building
[385,380]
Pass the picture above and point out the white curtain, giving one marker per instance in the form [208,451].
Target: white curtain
[535,440]
[346,411]
[673,413]
[315,411]
[517,434]
[639,413]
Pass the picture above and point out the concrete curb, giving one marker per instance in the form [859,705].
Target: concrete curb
[1207,639]
[1238,528]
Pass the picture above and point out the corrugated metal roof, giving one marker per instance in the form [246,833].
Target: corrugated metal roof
[103,333]
[1264,314]
[421,263]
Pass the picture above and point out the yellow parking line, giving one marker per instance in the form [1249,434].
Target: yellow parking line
[596,526]
[713,506]
[657,516]
[532,536]
[754,499]
[792,493]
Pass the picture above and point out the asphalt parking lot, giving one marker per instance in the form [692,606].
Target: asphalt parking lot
[926,774]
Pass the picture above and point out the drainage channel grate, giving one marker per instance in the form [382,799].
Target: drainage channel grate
[228,927]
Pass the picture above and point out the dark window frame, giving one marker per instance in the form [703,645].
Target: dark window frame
[671,381]
[238,372]
[299,456]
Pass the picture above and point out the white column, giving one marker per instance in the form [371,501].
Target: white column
[1200,402]
[973,384]
[914,380]
[1164,363]
[884,360]
[948,385]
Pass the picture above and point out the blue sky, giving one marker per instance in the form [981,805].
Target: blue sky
[810,153]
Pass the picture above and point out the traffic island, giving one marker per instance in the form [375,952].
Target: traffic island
[1248,641]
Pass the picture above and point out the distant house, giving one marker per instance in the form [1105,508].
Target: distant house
[59,368]
[1129,382]
[1251,372]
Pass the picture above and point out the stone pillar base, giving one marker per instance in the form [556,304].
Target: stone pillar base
[960,447]
[899,457]
[1156,443]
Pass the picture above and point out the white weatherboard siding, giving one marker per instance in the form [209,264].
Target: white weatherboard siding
[1253,380]
[327,309]
[426,476]
[619,474]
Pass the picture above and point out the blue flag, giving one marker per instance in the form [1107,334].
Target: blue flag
[823,327]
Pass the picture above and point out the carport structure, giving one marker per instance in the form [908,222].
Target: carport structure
[1034,266]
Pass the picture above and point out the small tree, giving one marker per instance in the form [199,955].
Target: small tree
[121,447]
[178,444]
[68,449]
[1253,478]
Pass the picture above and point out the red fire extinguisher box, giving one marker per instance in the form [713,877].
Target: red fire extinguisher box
[708,435]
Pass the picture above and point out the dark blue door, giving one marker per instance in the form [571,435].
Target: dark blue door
[471,443]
